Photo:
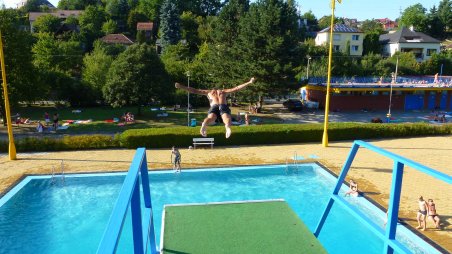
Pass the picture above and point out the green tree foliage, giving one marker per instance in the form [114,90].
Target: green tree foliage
[325,21]
[170,24]
[267,47]
[225,29]
[189,29]
[20,73]
[416,16]
[46,24]
[435,27]
[150,8]
[109,27]
[445,13]
[135,17]
[91,21]
[311,20]
[95,69]
[75,4]
[34,6]
[137,77]
[371,43]
[371,27]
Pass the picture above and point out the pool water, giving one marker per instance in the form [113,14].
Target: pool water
[70,217]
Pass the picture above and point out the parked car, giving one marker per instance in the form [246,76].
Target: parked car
[293,105]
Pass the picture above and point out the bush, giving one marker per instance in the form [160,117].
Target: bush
[244,135]
[277,134]
[84,142]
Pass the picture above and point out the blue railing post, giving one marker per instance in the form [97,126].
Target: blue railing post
[339,182]
[393,209]
[143,227]
[138,246]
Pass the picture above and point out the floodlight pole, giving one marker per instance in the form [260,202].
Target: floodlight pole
[307,68]
[393,81]
[330,58]
[12,147]
[188,99]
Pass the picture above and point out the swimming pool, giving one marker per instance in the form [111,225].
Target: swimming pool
[39,216]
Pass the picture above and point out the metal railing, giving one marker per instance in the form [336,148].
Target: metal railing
[142,227]
[387,235]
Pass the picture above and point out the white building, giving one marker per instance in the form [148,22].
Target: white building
[343,37]
[407,40]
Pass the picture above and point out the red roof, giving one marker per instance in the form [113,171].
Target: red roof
[145,26]
[117,39]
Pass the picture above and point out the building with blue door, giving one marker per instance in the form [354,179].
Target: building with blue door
[376,93]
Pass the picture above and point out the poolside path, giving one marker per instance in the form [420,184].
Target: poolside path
[370,170]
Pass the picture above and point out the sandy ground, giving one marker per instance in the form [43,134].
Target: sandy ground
[370,170]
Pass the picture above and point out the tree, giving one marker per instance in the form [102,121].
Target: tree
[137,77]
[445,13]
[267,47]
[47,24]
[91,21]
[325,21]
[150,8]
[371,26]
[311,21]
[19,69]
[95,69]
[170,24]
[371,43]
[76,4]
[225,28]
[436,28]
[189,31]
[414,16]
[202,8]
[34,5]
[109,27]
[135,17]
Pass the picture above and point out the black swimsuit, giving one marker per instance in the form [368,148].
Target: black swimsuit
[219,110]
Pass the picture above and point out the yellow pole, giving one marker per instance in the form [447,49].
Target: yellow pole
[12,147]
[330,57]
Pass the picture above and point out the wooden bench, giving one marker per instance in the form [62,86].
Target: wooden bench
[203,141]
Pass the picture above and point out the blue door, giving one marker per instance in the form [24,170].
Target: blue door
[432,100]
[443,102]
[414,102]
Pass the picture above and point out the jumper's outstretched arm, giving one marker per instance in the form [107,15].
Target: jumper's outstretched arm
[191,89]
[239,87]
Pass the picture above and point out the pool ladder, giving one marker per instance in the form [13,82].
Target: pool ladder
[62,173]
[294,161]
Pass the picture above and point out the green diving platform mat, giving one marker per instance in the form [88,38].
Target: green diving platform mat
[236,227]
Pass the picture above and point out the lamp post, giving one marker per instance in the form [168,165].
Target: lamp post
[307,67]
[393,81]
[188,98]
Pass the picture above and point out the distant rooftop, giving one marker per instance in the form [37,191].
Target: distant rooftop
[62,14]
[405,35]
[145,26]
[117,39]
[341,28]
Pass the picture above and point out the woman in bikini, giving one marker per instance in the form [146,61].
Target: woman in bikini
[432,213]
[422,213]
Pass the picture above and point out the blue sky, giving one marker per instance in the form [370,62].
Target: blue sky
[360,9]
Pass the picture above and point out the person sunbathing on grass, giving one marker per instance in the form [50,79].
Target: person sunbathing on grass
[218,105]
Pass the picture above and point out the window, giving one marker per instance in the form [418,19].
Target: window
[431,52]
[355,37]
[355,48]
[336,48]
[336,37]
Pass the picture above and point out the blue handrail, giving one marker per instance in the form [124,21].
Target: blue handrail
[387,235]
[143,228]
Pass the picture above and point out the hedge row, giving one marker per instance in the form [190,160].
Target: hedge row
[246,135]
[37,144]
[278,134]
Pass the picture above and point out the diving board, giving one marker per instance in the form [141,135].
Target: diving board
[236,227]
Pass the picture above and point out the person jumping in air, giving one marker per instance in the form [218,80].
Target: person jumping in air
[218,105]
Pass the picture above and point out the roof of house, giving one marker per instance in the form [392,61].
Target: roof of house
[405,35]
[341,28]
[117,39]
[145,26]
[62,14]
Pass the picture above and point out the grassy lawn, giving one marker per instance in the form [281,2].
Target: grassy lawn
[99,115]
